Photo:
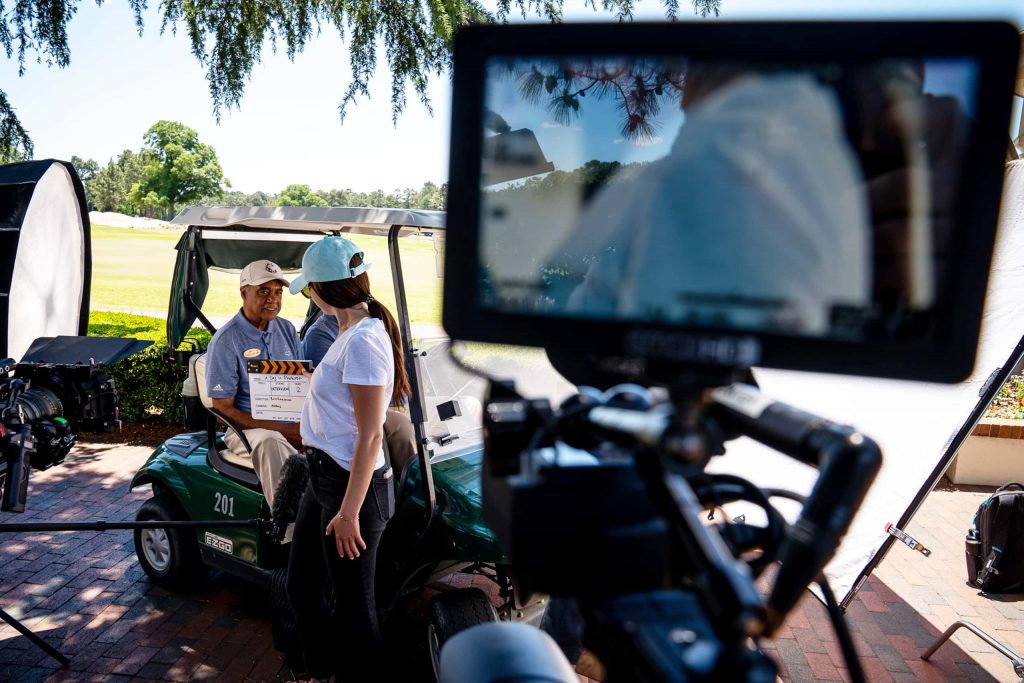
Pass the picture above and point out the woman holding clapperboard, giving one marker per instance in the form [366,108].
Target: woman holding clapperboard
[350,497]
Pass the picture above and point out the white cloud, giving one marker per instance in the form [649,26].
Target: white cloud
[648,142]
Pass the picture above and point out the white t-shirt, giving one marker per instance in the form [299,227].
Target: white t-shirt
[360,355]
[757,218]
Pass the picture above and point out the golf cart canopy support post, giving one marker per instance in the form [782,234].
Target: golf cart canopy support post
[416,407]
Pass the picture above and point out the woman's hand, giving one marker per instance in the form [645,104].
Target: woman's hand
[346,535]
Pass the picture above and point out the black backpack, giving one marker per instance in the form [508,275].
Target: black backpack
[995,547]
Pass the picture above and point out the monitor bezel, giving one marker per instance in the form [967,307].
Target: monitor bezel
[947,356]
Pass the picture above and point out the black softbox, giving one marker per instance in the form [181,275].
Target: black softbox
[45,254]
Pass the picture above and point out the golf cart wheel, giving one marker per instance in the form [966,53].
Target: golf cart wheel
[169,556]
[452,612]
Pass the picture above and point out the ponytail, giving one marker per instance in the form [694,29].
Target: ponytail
[354,291]
[401,391]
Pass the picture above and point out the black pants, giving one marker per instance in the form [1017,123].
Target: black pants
[348,643]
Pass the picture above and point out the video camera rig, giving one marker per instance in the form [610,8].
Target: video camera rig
[681,263]
[58,388]
[625,534]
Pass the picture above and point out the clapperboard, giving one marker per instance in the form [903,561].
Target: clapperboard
[278,388]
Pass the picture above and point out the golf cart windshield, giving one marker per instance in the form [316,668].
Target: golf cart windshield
[452,398]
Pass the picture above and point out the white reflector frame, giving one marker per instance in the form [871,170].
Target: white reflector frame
[46,253]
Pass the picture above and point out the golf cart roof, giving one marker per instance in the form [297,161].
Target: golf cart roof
[226,238]
[324,219]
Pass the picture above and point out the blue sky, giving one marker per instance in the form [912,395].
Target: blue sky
[595,130]
[287,128]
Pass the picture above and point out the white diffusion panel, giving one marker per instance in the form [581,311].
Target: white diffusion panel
[49,268]
[911,421]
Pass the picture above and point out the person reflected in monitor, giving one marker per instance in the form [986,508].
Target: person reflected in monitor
[756,219]
[910,144]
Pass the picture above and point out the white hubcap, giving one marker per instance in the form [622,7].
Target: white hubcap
[156,546]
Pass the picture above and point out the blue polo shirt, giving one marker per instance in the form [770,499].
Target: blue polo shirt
[318,338]
[237,343]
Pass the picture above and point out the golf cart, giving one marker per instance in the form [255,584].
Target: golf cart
[437,528]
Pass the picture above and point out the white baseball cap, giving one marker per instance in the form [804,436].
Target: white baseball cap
[258,272]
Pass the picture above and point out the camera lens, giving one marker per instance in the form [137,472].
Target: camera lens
[37,404]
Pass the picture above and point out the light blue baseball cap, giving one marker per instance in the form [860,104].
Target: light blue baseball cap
[328,260]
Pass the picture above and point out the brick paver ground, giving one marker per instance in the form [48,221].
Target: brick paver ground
[85,593]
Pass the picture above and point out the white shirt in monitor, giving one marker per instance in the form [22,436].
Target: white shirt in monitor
[756,219]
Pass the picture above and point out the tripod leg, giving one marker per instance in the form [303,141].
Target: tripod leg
[39,642]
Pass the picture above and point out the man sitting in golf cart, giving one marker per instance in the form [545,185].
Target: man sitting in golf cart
[254,333]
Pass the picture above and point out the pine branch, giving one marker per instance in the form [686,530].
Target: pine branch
[15,143]
[227,37]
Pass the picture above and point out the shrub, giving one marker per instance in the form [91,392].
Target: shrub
[148,384]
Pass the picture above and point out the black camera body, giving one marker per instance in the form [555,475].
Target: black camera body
[55,400]
[548,516]
[58,389]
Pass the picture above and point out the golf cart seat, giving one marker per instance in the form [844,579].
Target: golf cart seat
[399,441]
[227,462]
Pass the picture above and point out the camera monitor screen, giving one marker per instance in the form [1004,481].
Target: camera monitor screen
[819,196]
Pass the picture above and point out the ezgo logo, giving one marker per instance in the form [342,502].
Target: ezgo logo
[218,542]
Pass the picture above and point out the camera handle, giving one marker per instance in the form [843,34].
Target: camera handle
[671,445]
[17,387]
[847,462]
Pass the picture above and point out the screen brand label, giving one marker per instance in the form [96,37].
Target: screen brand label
[682,346]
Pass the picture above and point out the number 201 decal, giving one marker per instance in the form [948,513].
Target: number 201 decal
[224,504]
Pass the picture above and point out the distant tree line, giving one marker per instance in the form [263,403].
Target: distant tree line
[174,171]
[429,196]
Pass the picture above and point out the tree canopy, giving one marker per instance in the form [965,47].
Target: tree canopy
[109,188]
[179,167]
[299,195]
[228,38]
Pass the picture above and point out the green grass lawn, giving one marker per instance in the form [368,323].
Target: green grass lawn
[132,272]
